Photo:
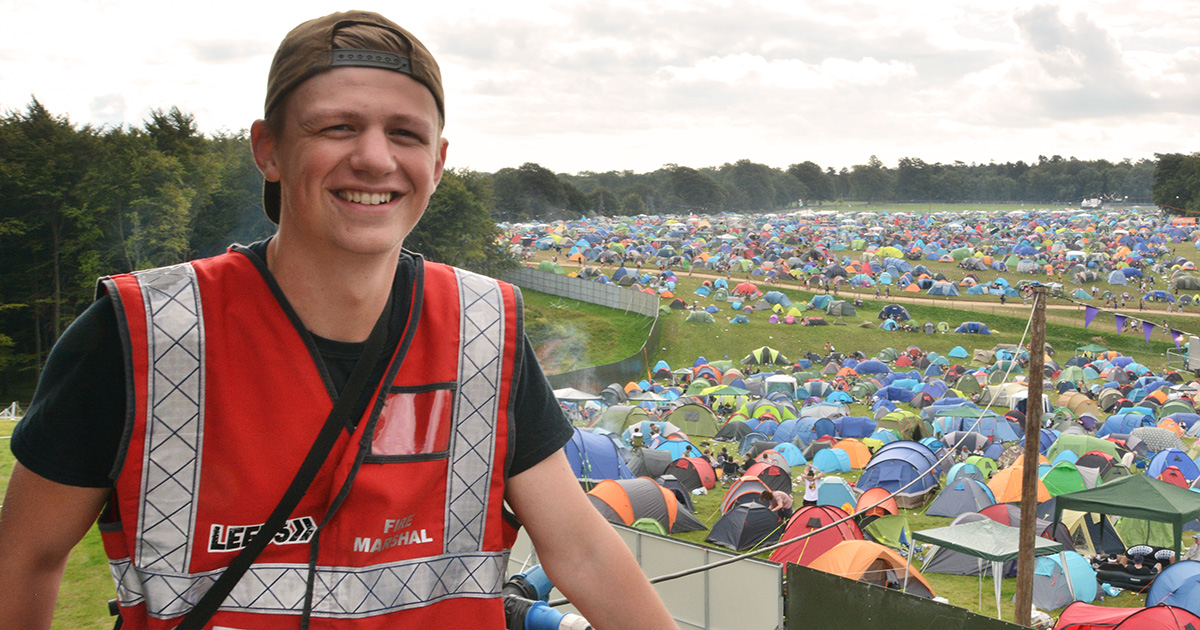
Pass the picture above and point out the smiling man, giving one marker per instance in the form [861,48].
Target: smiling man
[320,428]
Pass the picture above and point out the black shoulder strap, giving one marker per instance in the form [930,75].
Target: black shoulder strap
[350,406]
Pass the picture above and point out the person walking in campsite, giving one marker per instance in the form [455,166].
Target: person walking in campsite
[261,405]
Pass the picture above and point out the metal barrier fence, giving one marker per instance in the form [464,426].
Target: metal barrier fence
[597,377]
[744,595]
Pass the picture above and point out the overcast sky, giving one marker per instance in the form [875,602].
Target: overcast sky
[599,86]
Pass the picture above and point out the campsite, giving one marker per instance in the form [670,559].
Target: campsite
[796,363]
[881,375]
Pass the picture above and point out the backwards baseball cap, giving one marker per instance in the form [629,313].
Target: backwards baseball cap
[354,38]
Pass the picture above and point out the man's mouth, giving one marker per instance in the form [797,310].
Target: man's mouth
[367,198]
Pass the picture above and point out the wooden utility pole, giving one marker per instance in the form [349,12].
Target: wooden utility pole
[1029,478]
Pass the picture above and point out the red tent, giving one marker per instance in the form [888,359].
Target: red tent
[1081,616]
[810,518]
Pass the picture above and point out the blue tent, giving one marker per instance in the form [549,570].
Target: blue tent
[947,289]
[832,460]
[677,448]
[1177,585]
[792,453]
[594,456]
[958,352]
[977,328]
[896,465]
[835,491]
[1173,457]
[872,366]
[855,426]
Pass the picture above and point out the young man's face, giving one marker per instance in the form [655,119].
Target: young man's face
[358,156]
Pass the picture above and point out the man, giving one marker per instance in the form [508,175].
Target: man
[779,502]
[400,397]
[1193,552]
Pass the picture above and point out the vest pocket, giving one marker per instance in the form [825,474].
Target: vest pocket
[414,424]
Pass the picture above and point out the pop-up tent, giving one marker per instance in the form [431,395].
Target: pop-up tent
[1177,585]
[1136,496]
[746,526]
[594,456]
[1081,616]
[986,540]
[873,563]
[627,500]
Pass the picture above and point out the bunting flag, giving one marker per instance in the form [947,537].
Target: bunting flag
[1120,319]
[1147,329]
[1089,313]
[1178,336]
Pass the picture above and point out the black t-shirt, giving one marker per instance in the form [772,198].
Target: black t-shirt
[73,430]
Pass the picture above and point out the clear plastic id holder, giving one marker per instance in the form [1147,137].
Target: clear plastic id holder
[414,423]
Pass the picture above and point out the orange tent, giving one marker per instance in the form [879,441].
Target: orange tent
[1006,486]
[873,496]
[858,452]
[627,500]
[1171,426]
[871,562]
[913,288]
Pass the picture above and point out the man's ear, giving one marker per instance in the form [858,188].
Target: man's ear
[262,144]
[440,165]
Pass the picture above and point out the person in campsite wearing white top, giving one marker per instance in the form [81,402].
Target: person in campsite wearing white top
[811,479]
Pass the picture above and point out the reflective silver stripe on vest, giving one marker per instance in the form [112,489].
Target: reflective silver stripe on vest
[472,445]
[175,412]
[341,592]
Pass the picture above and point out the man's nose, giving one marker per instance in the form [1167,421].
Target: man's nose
[374,153]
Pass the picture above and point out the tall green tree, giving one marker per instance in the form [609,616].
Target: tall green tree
[695,191]
[1177,182]
[457,228]
[871,182]
[817,183]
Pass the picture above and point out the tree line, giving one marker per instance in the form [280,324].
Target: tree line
[532,192]
[78,202]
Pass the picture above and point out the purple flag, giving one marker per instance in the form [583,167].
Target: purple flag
[1120,319]
[1147,328]
[1177,336]
[1089,313]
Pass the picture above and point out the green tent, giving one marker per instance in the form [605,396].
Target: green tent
[700,317]
[550,266]
[985,464]
[1064,477]
[651,525]
[1080,445]
[765,356]
[695,419]
[1139,497]
[891,530]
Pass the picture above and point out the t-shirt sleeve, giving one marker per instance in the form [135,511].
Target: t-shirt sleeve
[541,427]
[72,430]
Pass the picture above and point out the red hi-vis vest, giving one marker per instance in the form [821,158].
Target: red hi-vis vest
[226,401]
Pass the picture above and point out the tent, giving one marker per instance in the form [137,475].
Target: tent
[693,473]
[1059,580]
[1091,534]
[594,456]
[1006,485]
[890,531]
[694,419]
[965,495]
[1137,496]
[626,500]
[873,563]
[896,465]
[1081,616]
[746,526]
[1177,585]
[985,540]
[809,547]
[835,491]
[648,462]
[743,490]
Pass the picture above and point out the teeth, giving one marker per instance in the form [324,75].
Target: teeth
[358,196]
